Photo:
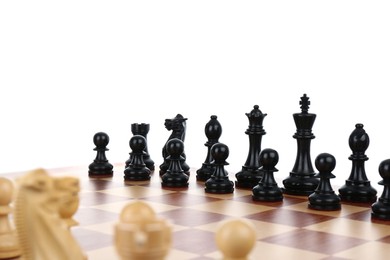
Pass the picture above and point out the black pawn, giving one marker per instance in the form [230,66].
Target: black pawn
[213,131]
[381,208]
[324,198]
[143,129]
[357,187]
[137,170]
[100,167]
[302,180]
[267,189]
[250,173]
[174,176]
[219,181]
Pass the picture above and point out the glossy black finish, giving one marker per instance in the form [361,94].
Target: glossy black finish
[137,170]
[219,181]
[174,176]
[357,187]
[178,127]
[100,167]
[267,189]
[250,173]
[142,129]
[381,208]
[302,180]
[213,131]
[324,198]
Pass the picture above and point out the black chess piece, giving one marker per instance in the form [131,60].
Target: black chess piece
[302,180]
[174,176]
[219,181]
[357,187]
[100,167]
[324,198]
[178,126]
[267,189]
[213,131]
[137,170]
[381,208]
[142,129]
[250,173]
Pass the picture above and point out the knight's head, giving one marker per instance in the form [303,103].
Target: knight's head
[38,180]
[176,123]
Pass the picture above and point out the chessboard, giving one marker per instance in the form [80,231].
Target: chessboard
[285,230]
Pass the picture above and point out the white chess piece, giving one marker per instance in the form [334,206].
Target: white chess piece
[235,239]
[9,245]
[140,234]
[43,234]
[68,190]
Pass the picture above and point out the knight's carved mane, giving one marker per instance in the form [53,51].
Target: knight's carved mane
[43,235]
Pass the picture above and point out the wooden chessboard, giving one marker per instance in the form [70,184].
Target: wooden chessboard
[285,230]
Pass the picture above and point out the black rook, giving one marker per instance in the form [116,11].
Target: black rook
[143,129]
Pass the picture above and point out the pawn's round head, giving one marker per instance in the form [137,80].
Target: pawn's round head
[325,162]
[101,139]
[235,238]
[137,212]
[269,157]
[6,191]
[175,147]
[220,152]
[137,143]
[384,170]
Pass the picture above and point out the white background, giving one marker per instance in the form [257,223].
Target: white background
[69,69]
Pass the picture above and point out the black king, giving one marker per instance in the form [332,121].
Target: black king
[301,180]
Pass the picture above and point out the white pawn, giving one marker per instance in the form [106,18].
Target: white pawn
[9,246]
[235,239]
[140,234]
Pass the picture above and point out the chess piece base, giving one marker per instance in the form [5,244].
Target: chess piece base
[381,210]
[248,178]
[100,170]
[219,186]
[161,172]
[150,165]
[325,207]
[358,192]
[174,180]
[204,173]
[164,168]
[300,185]
[100,175]
[261,193]
[137,174]
[324,202]
[9,246]
[136,178]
